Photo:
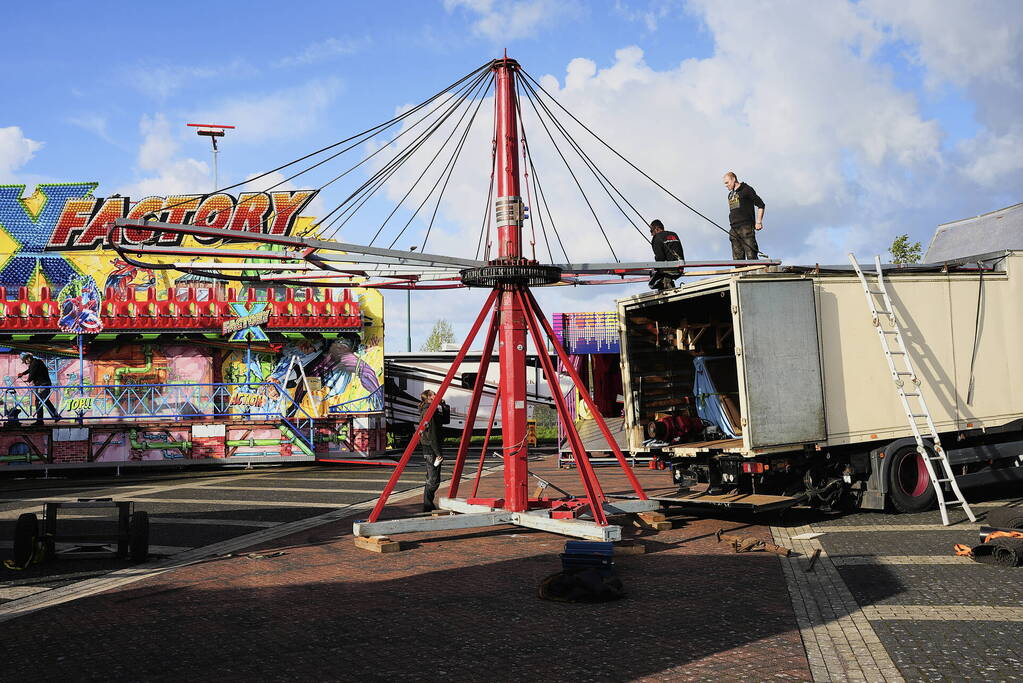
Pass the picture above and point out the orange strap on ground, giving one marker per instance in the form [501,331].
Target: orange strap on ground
[963,550]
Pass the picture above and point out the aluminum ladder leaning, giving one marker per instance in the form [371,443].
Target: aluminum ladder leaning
[921,419]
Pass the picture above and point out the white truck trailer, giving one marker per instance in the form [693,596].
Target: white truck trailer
[808,407]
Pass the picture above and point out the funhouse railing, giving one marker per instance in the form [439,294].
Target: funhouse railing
[164,402]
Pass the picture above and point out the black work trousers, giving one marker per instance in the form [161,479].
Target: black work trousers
[430,454]
[43,398]
[744,242]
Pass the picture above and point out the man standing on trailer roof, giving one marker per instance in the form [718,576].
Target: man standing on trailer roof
[745,217]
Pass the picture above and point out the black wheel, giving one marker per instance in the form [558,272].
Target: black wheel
[1005,518]
[909,486]
[138,535]
[26,533]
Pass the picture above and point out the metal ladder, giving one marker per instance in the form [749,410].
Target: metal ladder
[922,414]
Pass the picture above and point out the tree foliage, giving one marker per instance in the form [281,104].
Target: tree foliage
[904,251]
[441,334]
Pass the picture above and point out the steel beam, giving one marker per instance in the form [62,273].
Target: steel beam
[568,527]
[472,520]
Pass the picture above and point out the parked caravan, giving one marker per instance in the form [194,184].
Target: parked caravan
[775,384]
[408,374]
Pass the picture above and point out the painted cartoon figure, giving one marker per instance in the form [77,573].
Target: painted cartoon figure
[335,365]
[79,306]
[123,275]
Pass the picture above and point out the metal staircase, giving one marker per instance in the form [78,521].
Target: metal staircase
[920,422]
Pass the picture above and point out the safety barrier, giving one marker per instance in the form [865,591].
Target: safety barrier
[164,402]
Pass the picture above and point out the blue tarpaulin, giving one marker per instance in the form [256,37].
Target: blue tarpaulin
[708,400]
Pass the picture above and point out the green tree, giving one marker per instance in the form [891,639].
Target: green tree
[904,251]
[440,335]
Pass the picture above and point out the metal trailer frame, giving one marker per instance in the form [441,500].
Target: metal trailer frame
[961,321]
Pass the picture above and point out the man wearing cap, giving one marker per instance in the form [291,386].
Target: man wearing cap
[667,247]
[39,377]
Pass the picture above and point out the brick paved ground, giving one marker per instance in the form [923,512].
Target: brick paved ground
[938,617]
[886,601]
[455,605]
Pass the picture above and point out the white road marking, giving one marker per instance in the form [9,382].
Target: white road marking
[859,560]
[212,522]
[852,528]
[15,592]
[297,490]
[943,613]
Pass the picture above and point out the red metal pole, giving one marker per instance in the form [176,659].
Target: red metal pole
[594,494]
[486,443]
[414,441]
[566,361]
[474,405]
[512,347]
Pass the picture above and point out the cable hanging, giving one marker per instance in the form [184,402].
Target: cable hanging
[620,156]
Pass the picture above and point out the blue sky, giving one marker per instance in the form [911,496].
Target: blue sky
[856,121]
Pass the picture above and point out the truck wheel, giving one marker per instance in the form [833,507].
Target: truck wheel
[26,533]
[909,486]
[1005,518]
[138,535]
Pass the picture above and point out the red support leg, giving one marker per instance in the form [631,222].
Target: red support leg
[594,495]
[414,441]
[474,405]
[486,444]
[534,308]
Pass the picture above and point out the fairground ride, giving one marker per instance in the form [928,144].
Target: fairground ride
[504,271]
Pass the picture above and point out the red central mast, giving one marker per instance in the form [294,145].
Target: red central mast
[512,336]
[516,314]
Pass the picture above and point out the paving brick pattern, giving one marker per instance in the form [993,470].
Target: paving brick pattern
[453,606]
[955,650]
[840,643]
[938,616]
[960,584]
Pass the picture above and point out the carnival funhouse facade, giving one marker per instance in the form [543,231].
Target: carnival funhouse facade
[151,366]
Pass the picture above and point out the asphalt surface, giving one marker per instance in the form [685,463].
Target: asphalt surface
[942,622]
[187,509]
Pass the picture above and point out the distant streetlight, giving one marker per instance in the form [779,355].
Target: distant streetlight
[212,131]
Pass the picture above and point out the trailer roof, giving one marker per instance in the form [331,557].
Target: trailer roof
[992,231]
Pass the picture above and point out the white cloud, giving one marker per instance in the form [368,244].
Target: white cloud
[16,150]
[325,50]
[964,41]
[650,13]
[282,114]
[514,19]
[992,160]
[797,98]
[161,80]
[95,124]
[167,173]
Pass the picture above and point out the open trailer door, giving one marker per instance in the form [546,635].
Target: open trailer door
[780,360]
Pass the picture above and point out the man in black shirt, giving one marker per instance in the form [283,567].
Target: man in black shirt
[667,247]
[39,377]
[742,200]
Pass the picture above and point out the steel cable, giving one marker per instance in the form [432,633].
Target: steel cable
[620,156]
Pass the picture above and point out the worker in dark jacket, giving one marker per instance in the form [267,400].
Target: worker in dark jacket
[667,247]
[39,377]
[430,442]
[745,217]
